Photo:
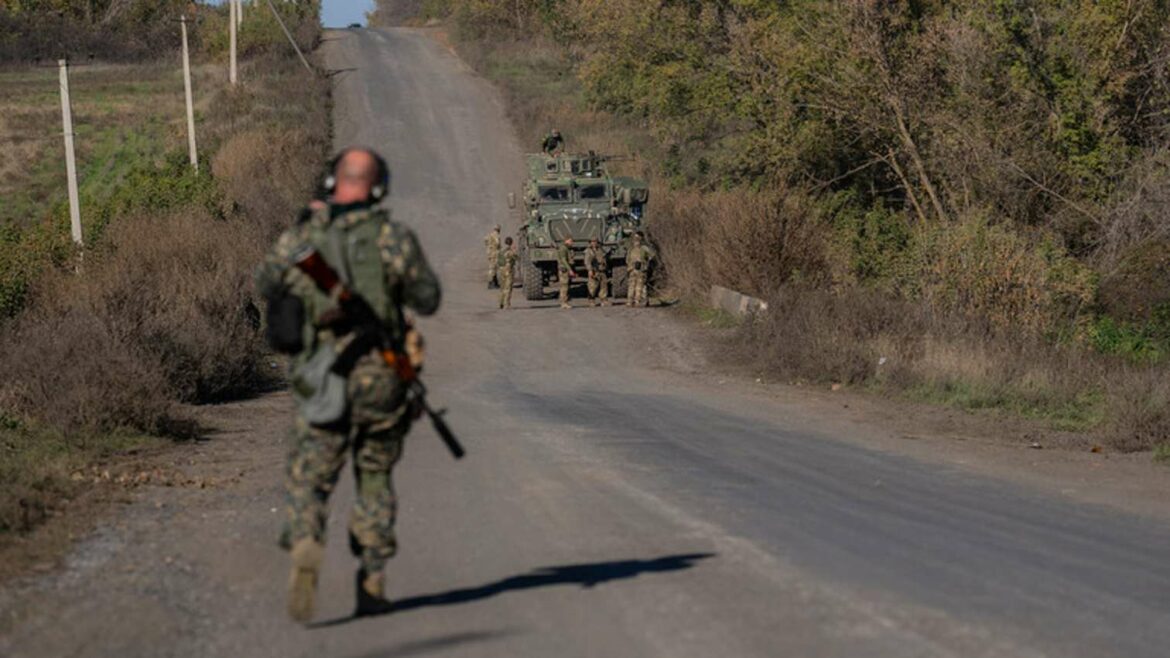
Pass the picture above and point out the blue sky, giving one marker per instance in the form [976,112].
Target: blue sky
[339,13]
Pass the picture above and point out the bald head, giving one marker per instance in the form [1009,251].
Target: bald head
[357,172]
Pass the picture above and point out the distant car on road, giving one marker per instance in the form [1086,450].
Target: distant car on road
[355,26]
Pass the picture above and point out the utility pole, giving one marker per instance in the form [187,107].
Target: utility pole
[288,34]
[239,12]
[194,154]
[70,161]
[233,26]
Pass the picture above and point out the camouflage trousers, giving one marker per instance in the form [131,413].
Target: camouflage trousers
[599,288]
[373,432]
[505,288]
[493,258]
[563,281]
[636,288]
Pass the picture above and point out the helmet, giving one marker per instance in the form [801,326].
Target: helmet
[381,186]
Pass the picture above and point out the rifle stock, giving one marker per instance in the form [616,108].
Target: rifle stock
[311,263]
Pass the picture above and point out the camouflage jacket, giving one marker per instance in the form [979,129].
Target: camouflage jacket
[595,259]
[506,260]
[564,258]
[639,254]
[492,243]
[397,276]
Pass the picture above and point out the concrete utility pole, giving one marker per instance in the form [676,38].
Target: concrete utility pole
[194,154]
[288,34]
[233,26]
[70,161]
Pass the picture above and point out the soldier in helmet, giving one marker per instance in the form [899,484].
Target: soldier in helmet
[637,265]
[363,408]
[565,270]
[595,266]
[492,246]
[507,267]
[553,143]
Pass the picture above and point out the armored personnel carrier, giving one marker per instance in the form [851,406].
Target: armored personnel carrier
[573,196]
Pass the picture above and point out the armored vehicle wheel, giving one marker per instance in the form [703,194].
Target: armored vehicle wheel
[620,283]
[533,281]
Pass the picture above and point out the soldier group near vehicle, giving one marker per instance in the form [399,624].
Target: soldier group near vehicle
[579,222]
[639,256]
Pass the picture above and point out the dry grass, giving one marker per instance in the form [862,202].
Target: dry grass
[160,311]
[747,241]
[874,340]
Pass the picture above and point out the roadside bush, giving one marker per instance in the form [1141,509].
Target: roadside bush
[982,270]
[163,313]
[812,334]
[748,241]
[1139,401]
[262,173]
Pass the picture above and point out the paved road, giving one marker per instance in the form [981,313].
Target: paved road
[614,502]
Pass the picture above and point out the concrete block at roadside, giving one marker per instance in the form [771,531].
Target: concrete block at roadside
[735,303]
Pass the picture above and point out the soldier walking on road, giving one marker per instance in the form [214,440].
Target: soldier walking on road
[595,265]
[492,245]
[553,143]
[507,266]
[348,398]
[637,264]
[565,270]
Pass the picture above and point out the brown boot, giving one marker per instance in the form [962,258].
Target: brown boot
[371,597]
[307,555]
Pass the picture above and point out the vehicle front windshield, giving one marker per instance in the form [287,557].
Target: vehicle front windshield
[554,193]
[590,192]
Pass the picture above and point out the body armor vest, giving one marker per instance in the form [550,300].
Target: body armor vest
[350,244]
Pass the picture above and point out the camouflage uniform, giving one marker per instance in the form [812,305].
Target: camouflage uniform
[492,247]
[637,263]
[595,265]
[507,265]
[564,272]
[390,272]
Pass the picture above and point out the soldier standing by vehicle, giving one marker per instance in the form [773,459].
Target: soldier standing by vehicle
[565,270]
[348,397]
[507,266]
[492,245]
[595,265]
[637,264]
[553,143]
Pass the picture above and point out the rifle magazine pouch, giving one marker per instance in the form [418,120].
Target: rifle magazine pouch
[319,393]
[285,321]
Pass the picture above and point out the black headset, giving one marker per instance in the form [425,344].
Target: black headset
[381,186]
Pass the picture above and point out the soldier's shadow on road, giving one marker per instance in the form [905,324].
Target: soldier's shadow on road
[585,575]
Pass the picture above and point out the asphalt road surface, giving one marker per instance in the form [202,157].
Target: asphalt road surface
[616,501]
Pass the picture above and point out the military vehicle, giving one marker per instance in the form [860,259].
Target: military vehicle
[573,196]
